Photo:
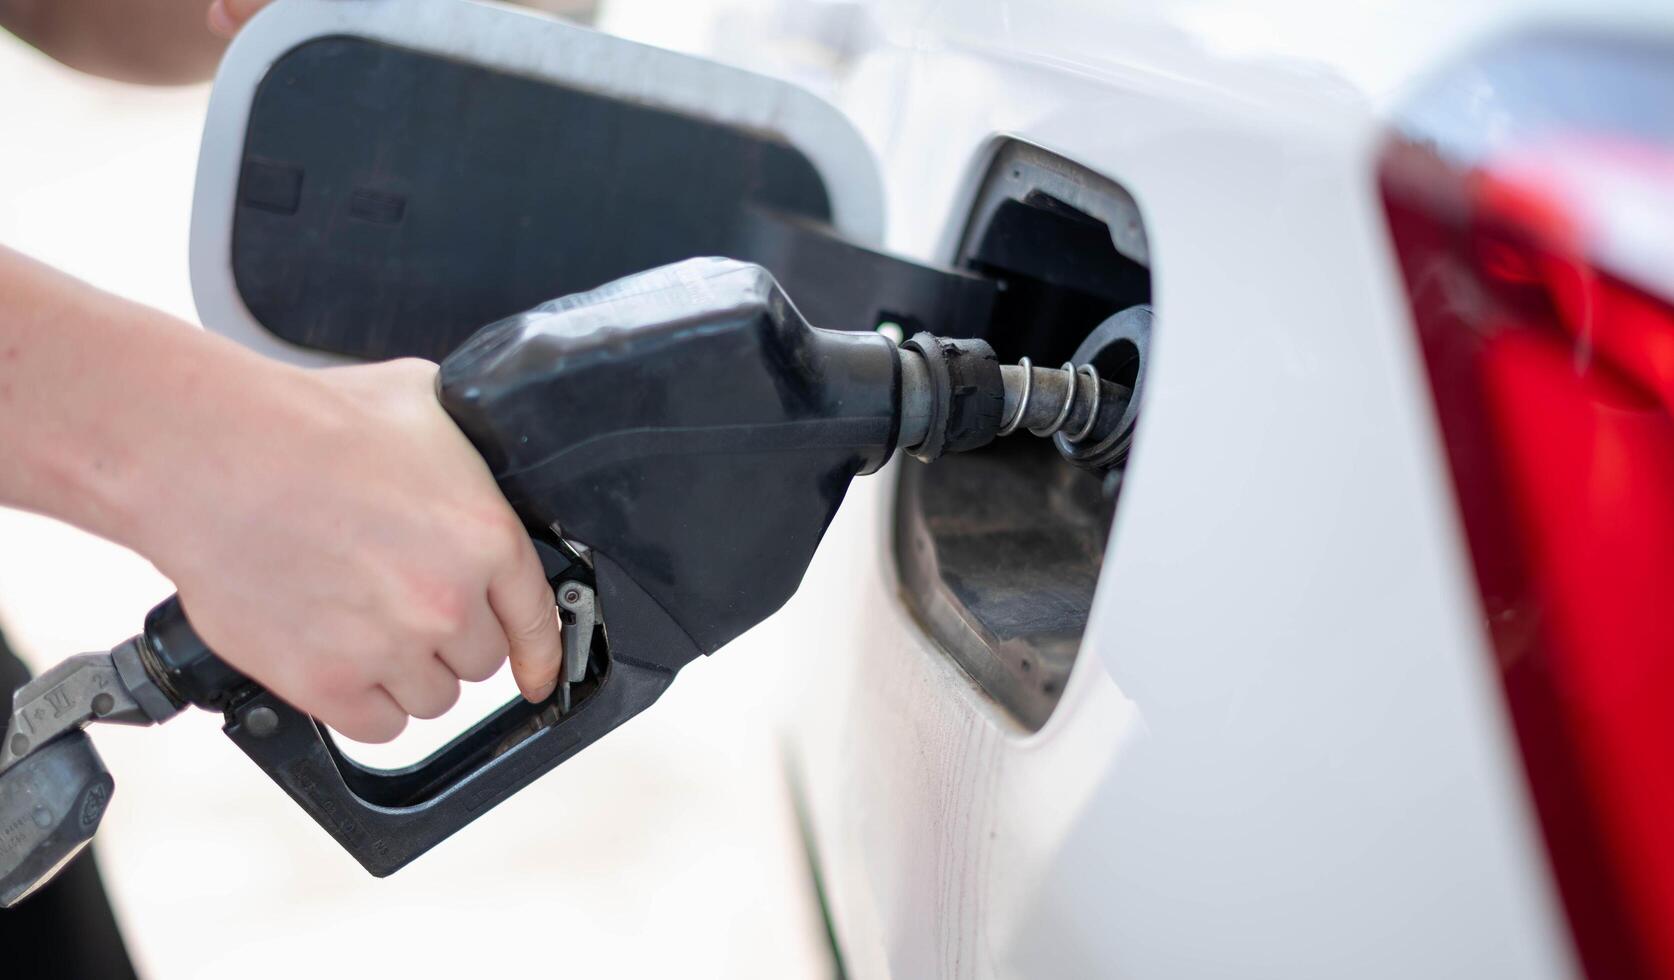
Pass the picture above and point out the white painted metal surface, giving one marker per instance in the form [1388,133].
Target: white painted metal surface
[1283,751]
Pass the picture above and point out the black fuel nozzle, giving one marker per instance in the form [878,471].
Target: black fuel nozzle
[688,424]
[677,443]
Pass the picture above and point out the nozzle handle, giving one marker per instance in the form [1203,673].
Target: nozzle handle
[51,802]
[387,817]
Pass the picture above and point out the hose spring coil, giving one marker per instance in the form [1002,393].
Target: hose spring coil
[1074,373]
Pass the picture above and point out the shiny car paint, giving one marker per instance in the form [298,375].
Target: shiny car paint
[1284,750]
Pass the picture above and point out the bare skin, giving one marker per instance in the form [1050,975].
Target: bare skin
[332,533]
[152,42]
[227,16]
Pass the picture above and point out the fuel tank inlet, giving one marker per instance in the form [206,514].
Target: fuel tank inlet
[956,396]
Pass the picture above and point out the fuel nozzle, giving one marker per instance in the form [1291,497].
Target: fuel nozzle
[678,442]
[956,396]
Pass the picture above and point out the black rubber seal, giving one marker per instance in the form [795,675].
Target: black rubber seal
[929,347]
[967,394]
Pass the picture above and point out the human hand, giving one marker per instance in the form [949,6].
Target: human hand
[340,541]
[226,17]
[332,533]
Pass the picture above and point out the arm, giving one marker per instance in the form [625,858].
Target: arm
[332,533]
[156,42]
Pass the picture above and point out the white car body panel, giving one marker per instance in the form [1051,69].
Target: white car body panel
[1283,751]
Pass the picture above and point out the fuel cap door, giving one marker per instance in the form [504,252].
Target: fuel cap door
[380,178]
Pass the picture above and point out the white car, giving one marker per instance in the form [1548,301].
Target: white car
[1360,665]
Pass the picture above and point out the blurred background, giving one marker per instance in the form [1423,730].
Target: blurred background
[669,849]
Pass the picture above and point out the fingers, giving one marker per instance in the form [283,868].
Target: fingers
[426,688]
[371,716]
[481,647]
[523,603]
[227,16]
[375,708]
[220,22]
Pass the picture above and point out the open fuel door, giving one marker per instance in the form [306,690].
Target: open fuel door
[380,178]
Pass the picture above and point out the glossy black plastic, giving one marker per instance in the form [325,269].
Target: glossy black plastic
[689,426]
[685,423]
[387,817]
[187,670]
